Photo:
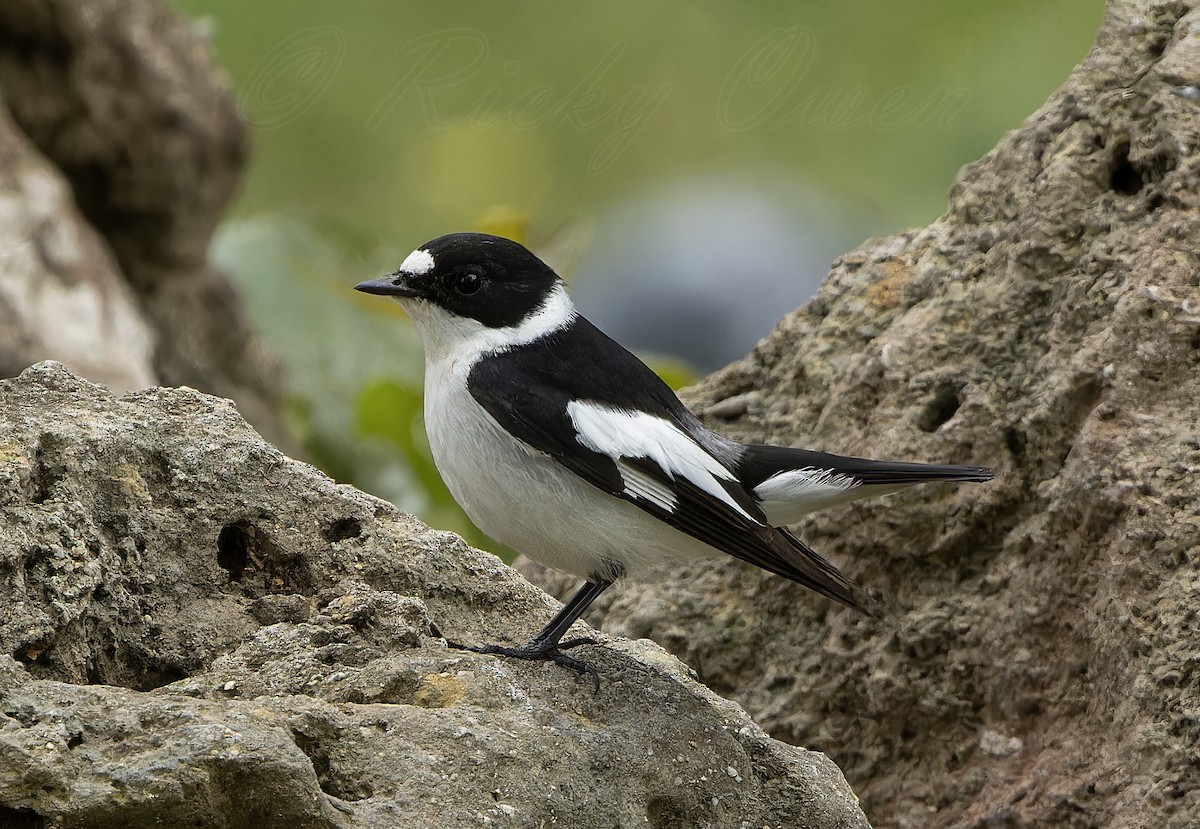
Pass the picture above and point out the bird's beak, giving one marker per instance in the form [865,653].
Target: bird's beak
[394,284]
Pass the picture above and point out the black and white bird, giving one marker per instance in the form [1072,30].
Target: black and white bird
[561,444]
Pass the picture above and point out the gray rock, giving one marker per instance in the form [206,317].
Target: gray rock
[120,149]
[198,630]
[61,293]
[1049,325]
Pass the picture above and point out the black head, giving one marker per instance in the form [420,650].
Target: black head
[486,278]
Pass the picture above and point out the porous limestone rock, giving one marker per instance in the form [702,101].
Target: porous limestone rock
[196,630]
[1040,662]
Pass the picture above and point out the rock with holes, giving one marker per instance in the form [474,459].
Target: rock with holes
[196,630]
[1039,665]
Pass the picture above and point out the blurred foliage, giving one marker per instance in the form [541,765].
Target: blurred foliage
[377,125]
[398,120]
[676,373]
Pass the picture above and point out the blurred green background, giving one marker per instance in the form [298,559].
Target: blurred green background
[624,140]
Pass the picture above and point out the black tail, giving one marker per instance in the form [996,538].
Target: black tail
[761,462]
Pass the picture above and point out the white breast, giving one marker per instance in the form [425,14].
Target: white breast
[527,500]
[515,494]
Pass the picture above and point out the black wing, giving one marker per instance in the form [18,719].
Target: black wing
[527,391]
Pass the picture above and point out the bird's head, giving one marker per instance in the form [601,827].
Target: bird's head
[474,292]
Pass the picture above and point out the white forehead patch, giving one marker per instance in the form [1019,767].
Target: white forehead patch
[417,263]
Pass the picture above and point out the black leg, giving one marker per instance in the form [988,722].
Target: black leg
[552,634]
[548,643]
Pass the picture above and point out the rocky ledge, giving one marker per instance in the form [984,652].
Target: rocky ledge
[197,630]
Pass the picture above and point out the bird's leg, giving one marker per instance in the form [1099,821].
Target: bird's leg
[548,643]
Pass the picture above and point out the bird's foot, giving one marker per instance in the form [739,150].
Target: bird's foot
[540,651]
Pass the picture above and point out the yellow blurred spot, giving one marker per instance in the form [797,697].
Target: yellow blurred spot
[504,220]
[671,370]
[463,166]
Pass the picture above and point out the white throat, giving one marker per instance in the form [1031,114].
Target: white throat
[454,343]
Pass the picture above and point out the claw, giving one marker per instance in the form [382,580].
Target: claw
[546,644]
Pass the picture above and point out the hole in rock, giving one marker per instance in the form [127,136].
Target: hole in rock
[331,781]
[233,548]
[36,659]
[1014,439]
[668,813]
[48,469]
[20,819]
[944,405]
[342,529]
[156,676]
[1124,177]
[252,558]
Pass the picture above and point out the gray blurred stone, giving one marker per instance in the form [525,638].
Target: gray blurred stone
[62,295]
[120,149]
[700,269]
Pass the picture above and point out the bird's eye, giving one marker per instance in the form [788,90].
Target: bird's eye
[468,282]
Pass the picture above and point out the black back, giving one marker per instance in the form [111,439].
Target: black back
[527,390]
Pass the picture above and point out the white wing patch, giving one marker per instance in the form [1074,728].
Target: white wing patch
[417,263]
[620,433]
[639,484]
[788,496]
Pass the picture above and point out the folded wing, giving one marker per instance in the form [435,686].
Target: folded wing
[645,458]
